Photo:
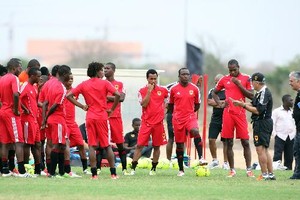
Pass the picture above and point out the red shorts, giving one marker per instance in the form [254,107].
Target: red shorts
[97,132]
[74,135]
[11,129]
[30,131]
[115,129]
[237,123]
[58,133]
[157,131]
[182,129]
[48,133]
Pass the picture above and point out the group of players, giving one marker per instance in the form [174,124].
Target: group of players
[44,110]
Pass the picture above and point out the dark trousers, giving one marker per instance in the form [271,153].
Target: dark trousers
[297,156]
[285,147]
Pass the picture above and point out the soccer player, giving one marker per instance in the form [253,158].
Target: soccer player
[237,86]
[74,135]
[115,120]
[95,91]
[55,119]
[3,70]
[152,99]
[261,109]
[23,77]
[294,81]
[10,122]
[28,99]
[183,103]
[215,127]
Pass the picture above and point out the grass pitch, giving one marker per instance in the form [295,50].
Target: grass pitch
[165,185]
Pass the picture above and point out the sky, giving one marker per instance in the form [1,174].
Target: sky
[252,31]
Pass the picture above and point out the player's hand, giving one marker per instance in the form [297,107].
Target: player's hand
[26,111]
[236,102]
[150,87]
[235,81]
[109,112]
[44,125]
[16,112]
[85,107]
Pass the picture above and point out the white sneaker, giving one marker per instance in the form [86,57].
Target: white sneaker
[214,164]
[7,175]
[44,173]
[171,164]
[87,172]
[226,166]
[132,172]
[152,173]
[74,175]
[278,166]
[180,173]
[202,161]
[25,175]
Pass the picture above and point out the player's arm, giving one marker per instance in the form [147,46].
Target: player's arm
[16,99]
[170,107]
[212,102]
[44,110]
[247,106]
[112,98]
[116,101]
[247,93]
[196,107]
[70,97]
[146,99]
[217,102]
[25,109]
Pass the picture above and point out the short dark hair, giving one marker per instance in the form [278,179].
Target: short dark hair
[33,71]
[233,62]
[3,70]
[33,63]
[136,120]
[55,70]
[63,70]
[181,70]
[13,63]
[45,71]
[94,68]
[113,66]
[285,97]
[151,71]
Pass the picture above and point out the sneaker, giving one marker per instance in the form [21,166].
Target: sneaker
[87,172]
[272,177]
[250,173]
[226,166]
[98,171]
[132,172]
[232,173]
[263,177]
[15,172]
[25,175]
[277,165]
[65,175]
[95,177]
[125,172]
[292,177]
[152,173]
[202,161]
[74,175]
[7,174]
[170,164]
[214,164]
[114,176]
[180,173]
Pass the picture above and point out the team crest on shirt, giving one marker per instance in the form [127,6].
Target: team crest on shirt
[256,138]
[191,92]
[132,135]
[117,87]
[158,93]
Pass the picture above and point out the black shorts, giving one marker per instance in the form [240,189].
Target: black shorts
[262,131]
[170,126]
[214,130]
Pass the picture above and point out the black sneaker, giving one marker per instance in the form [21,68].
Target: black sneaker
[272,177]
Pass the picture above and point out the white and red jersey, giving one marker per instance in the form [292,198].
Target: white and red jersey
[70,110]
[28,97]
[95,91]
[120,88]
[9,84]
[184,100]
[153,113]
[233,91]
[44,91]
[56,95]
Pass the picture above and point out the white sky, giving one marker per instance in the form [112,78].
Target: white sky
[252,31]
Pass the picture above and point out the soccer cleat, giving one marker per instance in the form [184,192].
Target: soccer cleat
[7,174]
[15,172]
[132,172]
[25,175]
[152,173]
[56,176]
[232,173]
[125,172]
[180,173]
[98,171]
[226,166]
[65,175]
[250,173]
[214,164]
[95,177]
[272,177]
[263,177]
[114,176]
[202,161]
[74,175]
[87,172]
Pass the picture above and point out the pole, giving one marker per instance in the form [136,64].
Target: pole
[205,86]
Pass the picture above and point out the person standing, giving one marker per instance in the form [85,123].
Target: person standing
[237,86]
[183,103]
[95,91]
[294,81]
[152,99]
[261,109]
[115,120]
[215,127]
[284,130]
[23,77]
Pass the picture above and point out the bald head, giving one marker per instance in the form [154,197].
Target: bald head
[218,77]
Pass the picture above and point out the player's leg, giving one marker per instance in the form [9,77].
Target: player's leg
[169,147]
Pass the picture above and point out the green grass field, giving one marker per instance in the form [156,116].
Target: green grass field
[165,185]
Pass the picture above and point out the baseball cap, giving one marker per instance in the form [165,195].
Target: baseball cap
[258,77]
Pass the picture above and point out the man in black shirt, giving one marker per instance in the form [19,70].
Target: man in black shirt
[261,109]
[131,140]
[294,81]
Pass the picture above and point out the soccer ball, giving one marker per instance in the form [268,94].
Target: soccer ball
[202,171]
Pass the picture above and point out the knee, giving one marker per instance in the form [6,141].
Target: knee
[179,145]
[229,143]
[245,143]
[38,145]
